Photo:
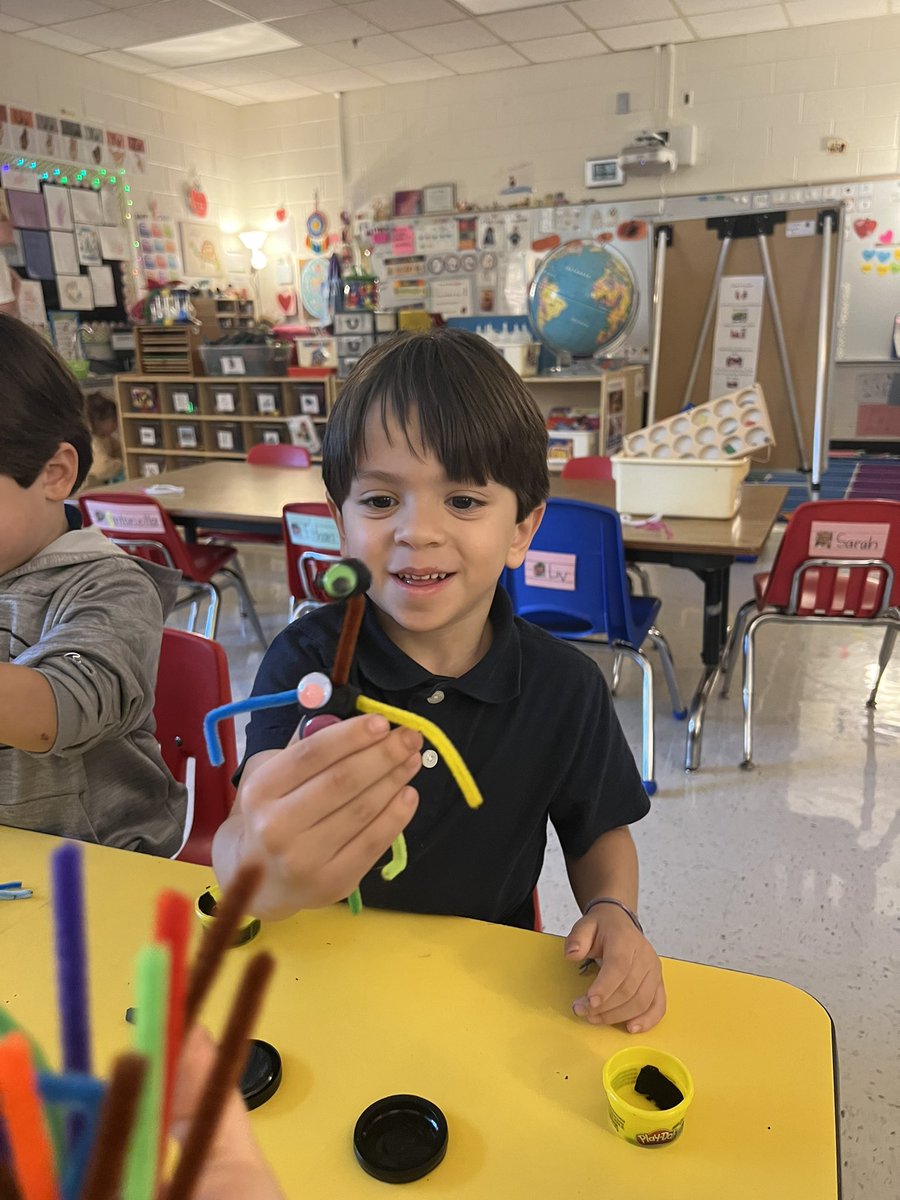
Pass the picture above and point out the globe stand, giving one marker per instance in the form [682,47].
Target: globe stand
[562,364]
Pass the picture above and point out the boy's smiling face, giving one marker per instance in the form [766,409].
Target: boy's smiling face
[435,547]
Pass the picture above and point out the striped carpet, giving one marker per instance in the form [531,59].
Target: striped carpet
[848,476]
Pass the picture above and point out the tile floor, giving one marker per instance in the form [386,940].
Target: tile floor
[791,870]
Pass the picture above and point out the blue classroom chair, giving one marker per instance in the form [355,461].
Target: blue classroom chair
[596,604]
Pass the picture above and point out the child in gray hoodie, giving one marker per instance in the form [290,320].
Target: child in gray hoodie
[80,629]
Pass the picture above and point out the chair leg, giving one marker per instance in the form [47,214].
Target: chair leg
[248,608]
[747,689]
[616,673]
[729,654]
[887,649]
[212,611]
[647,748]
[665,657]
[641,575]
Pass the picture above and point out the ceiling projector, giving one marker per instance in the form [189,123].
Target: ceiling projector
[648,154]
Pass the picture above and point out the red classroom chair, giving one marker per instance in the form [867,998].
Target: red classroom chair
[262,455]
[140,525]
[838,564]
[591,466]
[179,709]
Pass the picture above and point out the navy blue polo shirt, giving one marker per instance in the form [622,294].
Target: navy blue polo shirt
[535,724]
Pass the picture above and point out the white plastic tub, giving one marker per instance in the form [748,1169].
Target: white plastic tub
[679,487]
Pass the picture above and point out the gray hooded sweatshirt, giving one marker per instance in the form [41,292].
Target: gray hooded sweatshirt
[89,617]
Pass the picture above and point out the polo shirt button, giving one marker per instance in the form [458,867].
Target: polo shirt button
[430,758]
[436,697]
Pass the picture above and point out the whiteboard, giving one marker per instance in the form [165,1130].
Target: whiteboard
[868,293]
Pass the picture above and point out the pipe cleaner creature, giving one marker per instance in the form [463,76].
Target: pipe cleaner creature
[327,699]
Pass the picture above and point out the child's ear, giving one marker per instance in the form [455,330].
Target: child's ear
[338,520]
[60,472]
[525,531]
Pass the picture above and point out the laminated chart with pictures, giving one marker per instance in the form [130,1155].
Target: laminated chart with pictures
[738,324]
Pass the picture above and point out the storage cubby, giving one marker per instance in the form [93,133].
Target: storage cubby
[183,420]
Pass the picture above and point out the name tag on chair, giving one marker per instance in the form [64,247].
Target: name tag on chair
[550,569]
[126,518]
[847,540]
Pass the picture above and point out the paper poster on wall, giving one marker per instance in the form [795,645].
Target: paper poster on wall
[65,252]
[436,237]
[86,207]
[404,240]
[14,253]
[70,137]
[737,333]
[27,210]
[31,303]
[88,241]
[103,286]
[47,131]
[59,207]
[201,247]
[22,135]
[75,291]
[111,206]
[92,146]
[136,156]
[38,260]
[113,242]
[7,291]
[6,227]
[17,180]
[158,250]
[451,297]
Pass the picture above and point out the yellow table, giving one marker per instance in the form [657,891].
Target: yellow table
[476,1018]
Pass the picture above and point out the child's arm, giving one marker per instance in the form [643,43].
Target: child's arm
[629,986]
[320,813]
[27,709]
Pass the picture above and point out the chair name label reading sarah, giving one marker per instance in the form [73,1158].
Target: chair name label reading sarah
[850,540]
[550,569]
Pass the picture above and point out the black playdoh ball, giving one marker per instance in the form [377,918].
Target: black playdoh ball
[400,1138]
[658,1088]
[345,578]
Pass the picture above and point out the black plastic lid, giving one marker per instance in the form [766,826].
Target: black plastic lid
[262,1074]
[400,1138]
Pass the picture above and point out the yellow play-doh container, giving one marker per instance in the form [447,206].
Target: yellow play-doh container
[633,1116]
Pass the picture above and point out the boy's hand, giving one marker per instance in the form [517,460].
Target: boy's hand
[629,986]
[321,812]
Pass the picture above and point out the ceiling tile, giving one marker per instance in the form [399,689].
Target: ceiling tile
[394,15]
[112,30]
[652,33]
[235,73]
[411,70]
[688,8]
[555,49]
[181,18]
[51,12]
[276,89]
[445,39]
[331,25]
[182,81]
[550,20]
[60,41]
[347,80]
[362,52]
[479,7]
[815,12]
[125,62]
[301,60]
[238,41]
[13,24]
[604,14]
[272,10]
[747,20]
[491,58]
[228,97]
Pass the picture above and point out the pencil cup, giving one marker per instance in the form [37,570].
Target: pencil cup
[636,1117]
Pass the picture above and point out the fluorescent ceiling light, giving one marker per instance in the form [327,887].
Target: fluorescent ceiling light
[217,45]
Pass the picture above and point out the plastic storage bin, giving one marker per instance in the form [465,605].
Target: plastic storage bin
[564,444]
[228,437]
[245,360]
[679,487]
[731,426]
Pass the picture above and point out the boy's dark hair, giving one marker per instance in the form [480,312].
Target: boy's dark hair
[41,405]
[475,414]
[100,409]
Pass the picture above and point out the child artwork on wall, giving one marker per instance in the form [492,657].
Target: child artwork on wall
[202,249]
[59,207]
[75,291]
[158,249]
[88,245]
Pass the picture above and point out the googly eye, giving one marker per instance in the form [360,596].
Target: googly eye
[314,690]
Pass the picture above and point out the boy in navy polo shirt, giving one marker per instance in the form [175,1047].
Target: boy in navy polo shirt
[435,463]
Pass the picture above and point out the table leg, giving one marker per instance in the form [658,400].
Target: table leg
[715,631]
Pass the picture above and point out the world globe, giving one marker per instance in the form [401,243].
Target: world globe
[583,298]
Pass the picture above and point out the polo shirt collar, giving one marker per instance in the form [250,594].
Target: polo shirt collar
[493,680]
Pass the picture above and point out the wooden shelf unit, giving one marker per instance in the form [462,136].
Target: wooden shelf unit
[166,422]
[166,349]
[219,315]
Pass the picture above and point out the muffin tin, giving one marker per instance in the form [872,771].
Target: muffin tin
[735,425]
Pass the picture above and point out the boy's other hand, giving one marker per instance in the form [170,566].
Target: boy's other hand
[321,812]
[629,985]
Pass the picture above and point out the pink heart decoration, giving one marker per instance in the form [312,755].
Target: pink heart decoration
[887,237]
[286,301]
[280,214]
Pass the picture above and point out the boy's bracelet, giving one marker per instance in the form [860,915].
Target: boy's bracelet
[618,903]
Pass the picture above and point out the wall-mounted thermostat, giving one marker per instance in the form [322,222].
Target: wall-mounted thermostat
[602,172]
